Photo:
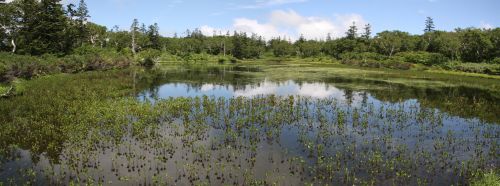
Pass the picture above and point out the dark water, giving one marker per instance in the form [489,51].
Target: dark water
[212,127]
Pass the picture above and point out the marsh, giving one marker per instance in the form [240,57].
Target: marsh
[212,125]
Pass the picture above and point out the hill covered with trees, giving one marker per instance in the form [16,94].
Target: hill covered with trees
[47,37]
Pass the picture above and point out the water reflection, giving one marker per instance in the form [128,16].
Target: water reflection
[287,88]
[465,102]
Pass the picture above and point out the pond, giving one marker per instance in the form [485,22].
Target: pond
[240,127]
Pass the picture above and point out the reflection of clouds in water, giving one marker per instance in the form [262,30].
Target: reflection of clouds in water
[264,88]
[318,90]
[315,90]
[207,87]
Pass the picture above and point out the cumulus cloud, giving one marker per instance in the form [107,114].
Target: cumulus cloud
[485,25]
[290,24]
[251,26]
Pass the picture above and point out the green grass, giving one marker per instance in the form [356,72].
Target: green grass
[488,179]
[4,89]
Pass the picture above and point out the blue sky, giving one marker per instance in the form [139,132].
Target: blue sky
[313,18]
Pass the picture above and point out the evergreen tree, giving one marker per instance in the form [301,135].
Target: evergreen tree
[29,13]
[82,14]
[352,32]
[429,25]
[154,36]
[368,32]
[47,33]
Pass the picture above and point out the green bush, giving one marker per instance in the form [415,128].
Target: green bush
[3,71]
[397,63]
[222,61]
[486,179]
[234,60]
[14,66]
[167,57]
[496,61]
[149,57]
[363,56]
[393,63]
[5,90]
[88,49]
[424,58]
[482,68]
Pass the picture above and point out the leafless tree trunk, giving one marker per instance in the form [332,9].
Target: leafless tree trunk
[224,46]
[133,43]
[14,46]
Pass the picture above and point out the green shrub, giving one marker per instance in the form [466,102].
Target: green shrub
[222,61]
[148,57]
[5,90]
[3,71]
[393,63]
[167,57]
[487,179]
[424,58]
[14,66]
[363,56]
[234,60]
[496,60]
[88,49]
[482,68]
[397,63]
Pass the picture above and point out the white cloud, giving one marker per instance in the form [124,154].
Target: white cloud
[207,30]
[290,24]
[251,26]
[485,25]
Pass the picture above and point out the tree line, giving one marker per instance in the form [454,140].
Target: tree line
[32,27]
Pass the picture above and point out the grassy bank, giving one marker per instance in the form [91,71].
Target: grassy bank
[14,66]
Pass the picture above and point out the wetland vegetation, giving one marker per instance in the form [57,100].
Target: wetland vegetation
[212,126]
[85,105]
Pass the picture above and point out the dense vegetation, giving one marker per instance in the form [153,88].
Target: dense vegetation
[61,39]
[93,130]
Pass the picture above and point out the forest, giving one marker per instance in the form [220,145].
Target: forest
[45,37]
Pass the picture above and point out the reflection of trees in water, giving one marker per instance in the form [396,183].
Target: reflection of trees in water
[348,96]
[195,79]
[459,101]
